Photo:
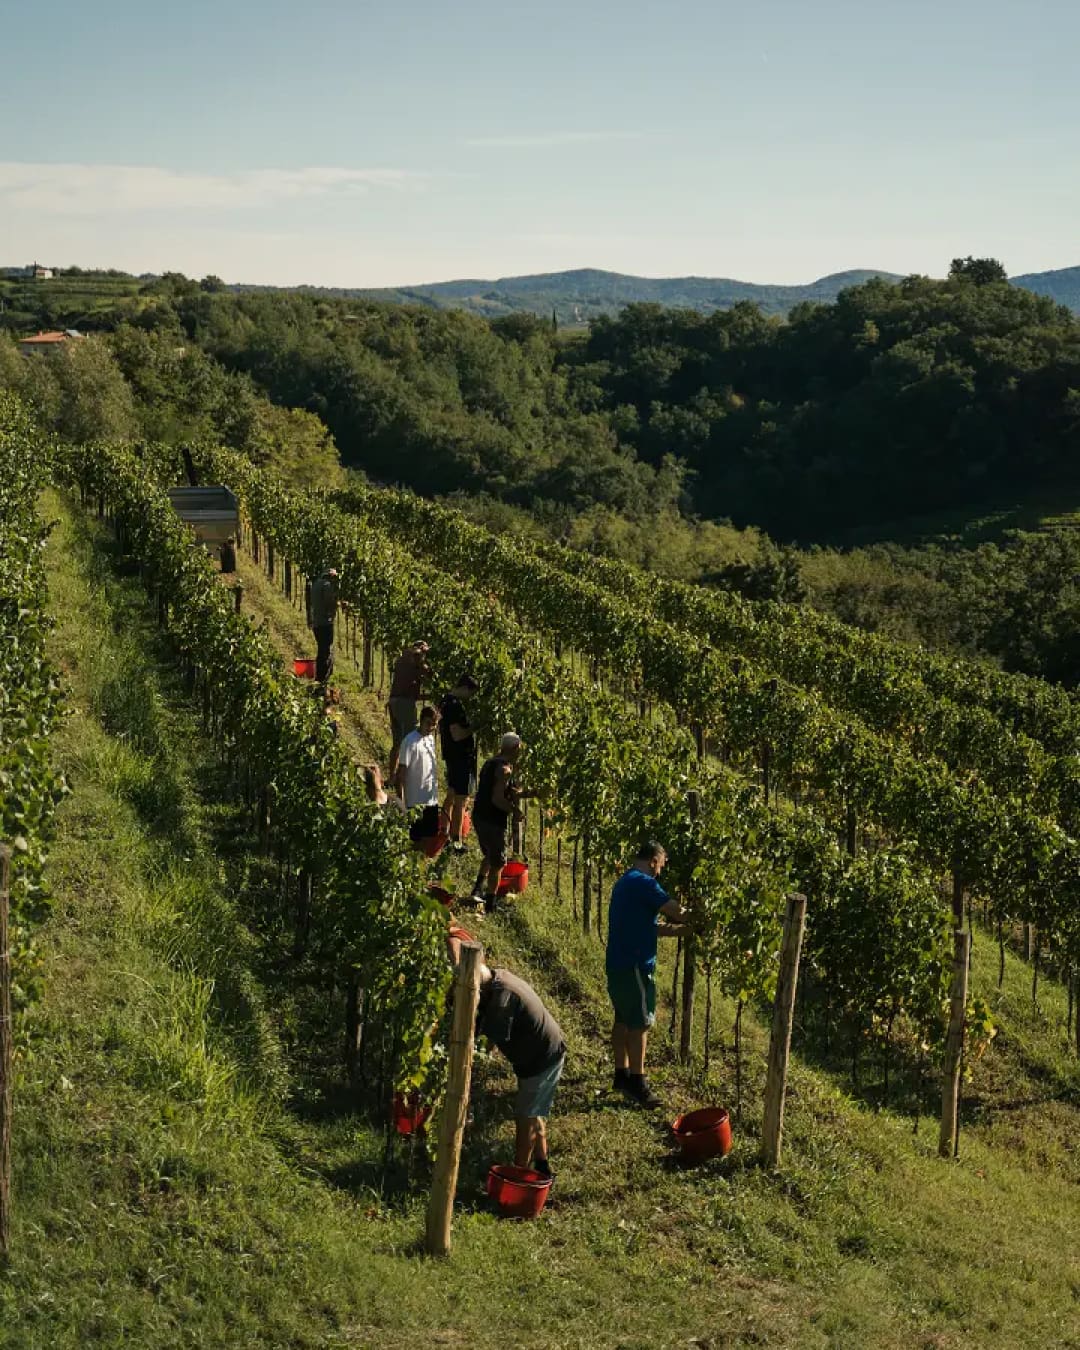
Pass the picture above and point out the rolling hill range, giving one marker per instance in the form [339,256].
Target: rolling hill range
[580,295]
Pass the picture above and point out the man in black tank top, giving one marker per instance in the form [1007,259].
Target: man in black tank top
[496,801]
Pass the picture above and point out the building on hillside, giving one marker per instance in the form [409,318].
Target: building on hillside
[49,342]
[34,271]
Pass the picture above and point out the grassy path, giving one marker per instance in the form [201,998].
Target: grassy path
[184,1177]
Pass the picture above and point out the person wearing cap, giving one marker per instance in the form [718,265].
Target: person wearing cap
[496,802]
[511,1016]
[405,685]
[323,612]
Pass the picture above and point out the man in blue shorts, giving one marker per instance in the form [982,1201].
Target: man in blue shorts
[637,903]
[515,1021]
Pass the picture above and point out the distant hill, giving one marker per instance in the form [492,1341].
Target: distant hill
[575,296]
[583,294]
[1062,285]
[580,295]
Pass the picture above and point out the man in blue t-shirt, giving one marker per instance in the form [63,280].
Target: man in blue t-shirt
[637,902]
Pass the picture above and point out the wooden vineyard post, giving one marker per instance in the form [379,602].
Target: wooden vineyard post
[686,1027]
[455,1108]
[238,597]
[772,1134]
[954,1045]
[5,1057]
[586,892]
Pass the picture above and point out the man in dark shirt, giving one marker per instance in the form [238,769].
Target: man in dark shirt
[459,754]
[405,686]
[227,554]
[515,1021]
[637,902]
[496,803]
[324,601]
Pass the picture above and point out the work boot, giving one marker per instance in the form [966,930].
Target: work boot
[638,1090]
[619,1081]
[491,904]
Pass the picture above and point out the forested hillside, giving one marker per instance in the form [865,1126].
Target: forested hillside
[895,400]
[581,295]
[646,437]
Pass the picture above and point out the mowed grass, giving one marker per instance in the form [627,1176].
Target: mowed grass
[177,1183]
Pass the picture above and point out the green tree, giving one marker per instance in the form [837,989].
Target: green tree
[95,401]
[982,271]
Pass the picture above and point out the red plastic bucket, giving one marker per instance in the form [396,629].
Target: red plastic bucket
[303,668]
[409,1113]
[518,1191]
[703,1134]
[515,878]
[433,844]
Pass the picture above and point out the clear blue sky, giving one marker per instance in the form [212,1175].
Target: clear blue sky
[356,143]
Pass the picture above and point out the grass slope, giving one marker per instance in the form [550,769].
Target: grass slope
[185,1174]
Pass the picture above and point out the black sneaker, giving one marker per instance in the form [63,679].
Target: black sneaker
[457,846]
[491,904]
[637,1089]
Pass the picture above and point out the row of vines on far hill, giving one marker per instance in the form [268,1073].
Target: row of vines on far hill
[29,690]
[876,927]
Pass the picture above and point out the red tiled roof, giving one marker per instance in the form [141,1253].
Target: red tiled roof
[46,337]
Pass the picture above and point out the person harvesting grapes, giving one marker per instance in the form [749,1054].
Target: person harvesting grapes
[637,903]
[511,1015]
[323,612]
[410,669]
[497,798]
[459,754]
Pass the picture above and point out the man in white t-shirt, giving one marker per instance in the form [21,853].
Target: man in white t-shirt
[417,774]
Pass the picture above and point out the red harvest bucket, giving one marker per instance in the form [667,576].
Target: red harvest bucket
[519,1192]
[409,1114]
[433,844]
[515,877]
[703,1134]
[304,668]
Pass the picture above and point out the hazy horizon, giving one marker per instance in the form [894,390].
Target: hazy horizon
[358,147]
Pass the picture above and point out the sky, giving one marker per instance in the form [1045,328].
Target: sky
[348,143]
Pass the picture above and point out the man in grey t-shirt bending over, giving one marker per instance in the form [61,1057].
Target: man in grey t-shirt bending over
[512,1017]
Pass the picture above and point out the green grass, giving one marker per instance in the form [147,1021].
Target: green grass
[186,1175]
